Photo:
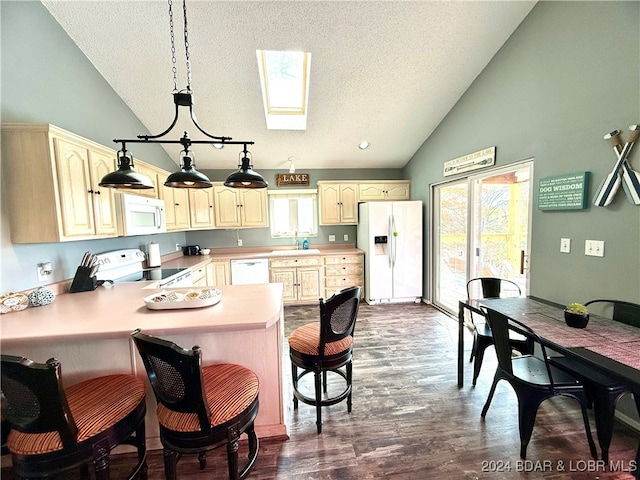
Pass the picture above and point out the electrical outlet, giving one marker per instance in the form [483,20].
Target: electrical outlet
[346,237]
[239,242]
[332,238]
[594,248]
[565,245]
[177,247]
[45,270]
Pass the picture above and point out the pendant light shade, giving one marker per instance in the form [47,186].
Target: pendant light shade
[245,177]
[188,176]
[126,176]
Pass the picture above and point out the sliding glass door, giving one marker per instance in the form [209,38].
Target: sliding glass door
[480,227]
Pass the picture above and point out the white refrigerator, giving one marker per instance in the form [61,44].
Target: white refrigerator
[390,234]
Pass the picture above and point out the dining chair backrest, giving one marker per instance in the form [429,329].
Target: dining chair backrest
[175,375]
[35,399]
[338,316]
[500,325]
[623,311]
[492,287]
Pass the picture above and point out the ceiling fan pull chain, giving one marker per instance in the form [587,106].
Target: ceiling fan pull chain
[173,49]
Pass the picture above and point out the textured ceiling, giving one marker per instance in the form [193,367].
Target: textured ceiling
[387,72]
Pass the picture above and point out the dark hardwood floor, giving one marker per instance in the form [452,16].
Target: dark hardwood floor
[410,420]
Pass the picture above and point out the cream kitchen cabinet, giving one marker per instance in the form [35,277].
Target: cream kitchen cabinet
[300,276]
[342,271]
[218,273]
[200,207]
[199,276]
[240,207]
[60,199]
[338,203]
[176,207]
[388,190]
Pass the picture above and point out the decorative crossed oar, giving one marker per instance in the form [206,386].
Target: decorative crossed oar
[621,173]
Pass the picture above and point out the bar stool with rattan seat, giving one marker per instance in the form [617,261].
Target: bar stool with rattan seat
[54,429]
[326,346]
[200,408]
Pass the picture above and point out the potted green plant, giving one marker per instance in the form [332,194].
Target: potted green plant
[576,315]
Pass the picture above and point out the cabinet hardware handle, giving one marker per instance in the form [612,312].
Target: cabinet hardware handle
[89,191]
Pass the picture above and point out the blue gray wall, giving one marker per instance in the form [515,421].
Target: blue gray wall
[46,78]
[569,74]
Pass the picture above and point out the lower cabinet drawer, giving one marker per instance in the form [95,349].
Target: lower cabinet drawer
[342,270]
[342,259]
[342,282]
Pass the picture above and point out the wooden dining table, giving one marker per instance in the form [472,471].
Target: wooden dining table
[609,345]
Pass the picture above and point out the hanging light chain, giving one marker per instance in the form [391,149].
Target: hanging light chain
[173,50]
[186,45]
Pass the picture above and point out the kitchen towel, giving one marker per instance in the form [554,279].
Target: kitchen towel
[153,259]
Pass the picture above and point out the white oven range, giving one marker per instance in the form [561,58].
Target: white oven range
[126,266]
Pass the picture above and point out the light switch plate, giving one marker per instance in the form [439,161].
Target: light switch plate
[332,238]
[565,245]
[346,237]
[594,248]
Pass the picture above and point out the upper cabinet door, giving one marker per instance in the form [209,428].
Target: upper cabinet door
[398,191]
[390,190]
[329,200]
[176,207]
[201,207]
[74,188]
[226,206]
[240,207]
[338,203]
[104,212]
[349,204]
[254,207]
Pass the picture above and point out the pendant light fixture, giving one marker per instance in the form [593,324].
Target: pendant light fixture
[245,177]
[126,176]
[187,176]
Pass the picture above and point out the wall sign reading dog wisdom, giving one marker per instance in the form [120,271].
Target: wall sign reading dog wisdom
[564,192]
[472,161]
[292,179]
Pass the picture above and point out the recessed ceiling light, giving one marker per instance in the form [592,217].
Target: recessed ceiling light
[219,146]
[364,145]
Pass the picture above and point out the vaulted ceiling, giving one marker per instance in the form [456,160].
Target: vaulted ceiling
[383,71]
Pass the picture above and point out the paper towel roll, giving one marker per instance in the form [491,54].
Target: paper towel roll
[153,251]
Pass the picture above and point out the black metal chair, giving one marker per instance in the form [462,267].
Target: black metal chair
[492,287]
[55,429]
[200,408]
[326,346]
[603,389]
[533,379]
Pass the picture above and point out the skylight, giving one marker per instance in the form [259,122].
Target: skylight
[284,78]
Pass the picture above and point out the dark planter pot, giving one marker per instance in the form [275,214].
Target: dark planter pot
[576,320]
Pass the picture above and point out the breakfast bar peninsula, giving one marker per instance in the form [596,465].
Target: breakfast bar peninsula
[89,332]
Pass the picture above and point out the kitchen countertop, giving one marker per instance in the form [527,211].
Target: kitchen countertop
[113,312]
[178,260]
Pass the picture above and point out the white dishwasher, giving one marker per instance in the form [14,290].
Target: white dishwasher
[249,271]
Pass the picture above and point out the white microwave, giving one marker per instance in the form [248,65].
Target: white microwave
[139,215]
